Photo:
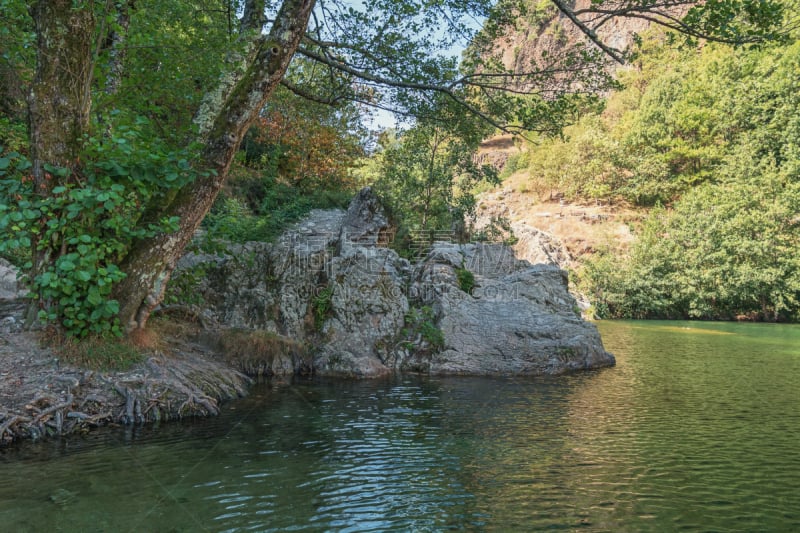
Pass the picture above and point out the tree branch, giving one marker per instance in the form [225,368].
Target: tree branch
[615,54]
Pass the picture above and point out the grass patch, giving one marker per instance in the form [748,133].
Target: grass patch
[322,306]
[254,352]
[421,322]
[103,353]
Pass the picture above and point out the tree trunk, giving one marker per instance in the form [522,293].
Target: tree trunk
[59,103]
[151,261]
[117,52]
[60,99]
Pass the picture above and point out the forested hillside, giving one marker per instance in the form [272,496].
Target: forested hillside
[708,140]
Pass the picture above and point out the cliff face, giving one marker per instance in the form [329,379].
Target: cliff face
[546,32]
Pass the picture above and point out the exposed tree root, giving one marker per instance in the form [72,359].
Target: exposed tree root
[41,397]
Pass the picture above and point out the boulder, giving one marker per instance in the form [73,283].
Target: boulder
[517,318]
[359,310]
[368,305]
[9,288]
[365,223]
[539,247]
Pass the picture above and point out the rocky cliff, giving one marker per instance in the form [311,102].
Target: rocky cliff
[545,32]
[358,309]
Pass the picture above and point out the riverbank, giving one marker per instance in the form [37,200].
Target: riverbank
[43,396]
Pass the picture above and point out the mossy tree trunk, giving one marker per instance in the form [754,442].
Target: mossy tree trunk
[223,119]
[59,103]
[60,99]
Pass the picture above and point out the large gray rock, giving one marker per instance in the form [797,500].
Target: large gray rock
[517,318]
[267,286]
[362,311]
[539,247]
[9,288]
[365,223]
[368,309]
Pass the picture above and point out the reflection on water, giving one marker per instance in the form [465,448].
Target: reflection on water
[696,428]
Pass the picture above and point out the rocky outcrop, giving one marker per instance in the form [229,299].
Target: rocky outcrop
[548,33]
[9,289]
[363,311]
[516,318]
[11,303]
[529,243]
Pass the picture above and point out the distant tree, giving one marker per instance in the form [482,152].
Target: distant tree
[428,173]
[726,246]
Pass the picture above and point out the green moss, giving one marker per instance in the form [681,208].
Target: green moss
[322,307]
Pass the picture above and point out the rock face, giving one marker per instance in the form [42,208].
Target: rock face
[9,290]
[532,244]
[518,318]
[11,303]
[549,32]
[363,311]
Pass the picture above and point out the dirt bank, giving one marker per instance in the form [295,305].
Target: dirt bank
[42,396]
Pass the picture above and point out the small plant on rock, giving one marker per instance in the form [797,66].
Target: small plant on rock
[466,279]
[322,306]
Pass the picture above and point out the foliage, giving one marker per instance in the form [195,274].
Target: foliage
[322,306]
[89,223]
[498,230]
[305,144]
[157,81]
[420,322]
[727,246]
[466,279]
[259,208]
[296,157]
[427,174]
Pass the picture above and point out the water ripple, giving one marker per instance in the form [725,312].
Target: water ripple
[692,430]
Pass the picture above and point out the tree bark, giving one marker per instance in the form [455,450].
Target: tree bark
[59,104]
[151,261]
[60,99]
[116,53]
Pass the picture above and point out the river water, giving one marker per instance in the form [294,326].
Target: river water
[696,428]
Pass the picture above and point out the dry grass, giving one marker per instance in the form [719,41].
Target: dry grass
[145,339]
[260,353]
[97,353]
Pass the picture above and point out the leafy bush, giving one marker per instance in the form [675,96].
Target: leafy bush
[421,322]
[74,236]
[259,208]
[466,280]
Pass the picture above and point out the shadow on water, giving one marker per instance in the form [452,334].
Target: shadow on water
[696,427]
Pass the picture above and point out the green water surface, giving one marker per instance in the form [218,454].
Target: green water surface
[697,428]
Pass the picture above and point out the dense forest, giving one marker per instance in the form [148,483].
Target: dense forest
[707,140]
[127,126]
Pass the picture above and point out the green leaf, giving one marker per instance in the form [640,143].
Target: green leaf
[93,297]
